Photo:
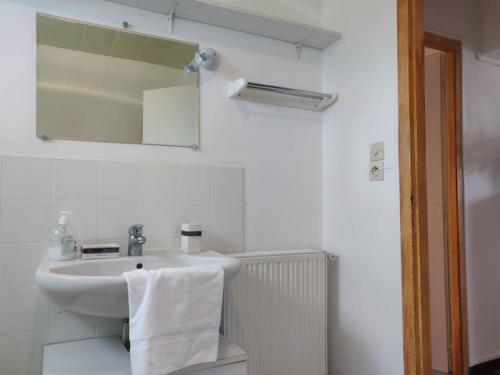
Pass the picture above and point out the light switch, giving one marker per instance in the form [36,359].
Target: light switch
[377,151]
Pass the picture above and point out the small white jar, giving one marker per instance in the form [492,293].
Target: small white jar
[191,236]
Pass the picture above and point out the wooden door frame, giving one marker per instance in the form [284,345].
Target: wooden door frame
[413,195]
[452,129]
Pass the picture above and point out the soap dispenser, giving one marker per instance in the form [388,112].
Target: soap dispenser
[63,245]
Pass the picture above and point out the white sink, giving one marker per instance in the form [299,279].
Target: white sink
[96,287]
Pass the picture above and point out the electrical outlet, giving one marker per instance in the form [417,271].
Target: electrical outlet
[377,151]
[376,172]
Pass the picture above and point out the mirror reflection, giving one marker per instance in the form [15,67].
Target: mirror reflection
[101,84]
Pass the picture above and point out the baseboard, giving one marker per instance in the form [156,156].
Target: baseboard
[485,367]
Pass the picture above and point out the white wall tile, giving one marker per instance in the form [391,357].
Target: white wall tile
[26,177]
[107,197]
[25,221]
[85,218]
[67,326]
[19,263]
[227,218]
[158,244]
[196,212]
[159,218]
[227,184]
[194,183]
[123,243]
[23,310]
[21,354]
[158,181]
[115,217]
[226,245]
[118,180]
[75,179]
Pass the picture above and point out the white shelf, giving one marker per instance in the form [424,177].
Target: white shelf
[241,20]
[262,93]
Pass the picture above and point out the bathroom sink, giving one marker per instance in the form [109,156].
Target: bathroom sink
[96,287]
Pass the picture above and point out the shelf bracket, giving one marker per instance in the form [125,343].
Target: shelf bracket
[299,46]
[171,17]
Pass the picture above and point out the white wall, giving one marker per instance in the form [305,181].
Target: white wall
[294,10]
[279,148]
[481,130]
[361,218]
[489,33]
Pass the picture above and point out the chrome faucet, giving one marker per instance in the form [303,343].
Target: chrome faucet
[135,240]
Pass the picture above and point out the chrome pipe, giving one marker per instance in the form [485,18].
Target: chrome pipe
[288,91]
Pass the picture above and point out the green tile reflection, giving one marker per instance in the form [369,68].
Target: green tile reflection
[98,40]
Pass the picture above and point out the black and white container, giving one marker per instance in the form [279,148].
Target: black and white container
[191,238]
[100,251]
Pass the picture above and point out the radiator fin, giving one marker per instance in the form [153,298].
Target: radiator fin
[275,309]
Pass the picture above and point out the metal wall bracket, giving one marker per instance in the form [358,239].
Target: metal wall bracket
[331,257]
[171,17]
[299,46]
[126,333]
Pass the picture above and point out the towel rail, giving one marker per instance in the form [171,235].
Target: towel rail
[289,91]
[270,94]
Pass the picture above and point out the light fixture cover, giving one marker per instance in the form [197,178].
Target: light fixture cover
[206,58]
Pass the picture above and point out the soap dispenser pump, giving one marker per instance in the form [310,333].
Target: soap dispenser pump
[63,245]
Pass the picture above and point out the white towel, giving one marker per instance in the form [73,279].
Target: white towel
[174,316]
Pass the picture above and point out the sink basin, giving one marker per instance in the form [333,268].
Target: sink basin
[96,287]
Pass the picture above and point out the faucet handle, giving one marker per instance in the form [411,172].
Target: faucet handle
[136,230]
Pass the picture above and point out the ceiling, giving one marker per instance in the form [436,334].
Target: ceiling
[64,33]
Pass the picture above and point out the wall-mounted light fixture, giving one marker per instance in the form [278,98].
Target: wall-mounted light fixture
[207,59]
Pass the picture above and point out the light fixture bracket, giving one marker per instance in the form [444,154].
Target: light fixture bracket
[206,58]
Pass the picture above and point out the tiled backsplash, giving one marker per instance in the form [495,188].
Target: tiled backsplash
[106,197]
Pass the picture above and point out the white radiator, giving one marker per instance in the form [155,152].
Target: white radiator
[276,310]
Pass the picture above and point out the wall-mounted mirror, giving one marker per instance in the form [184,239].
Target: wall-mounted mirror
[101,84]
